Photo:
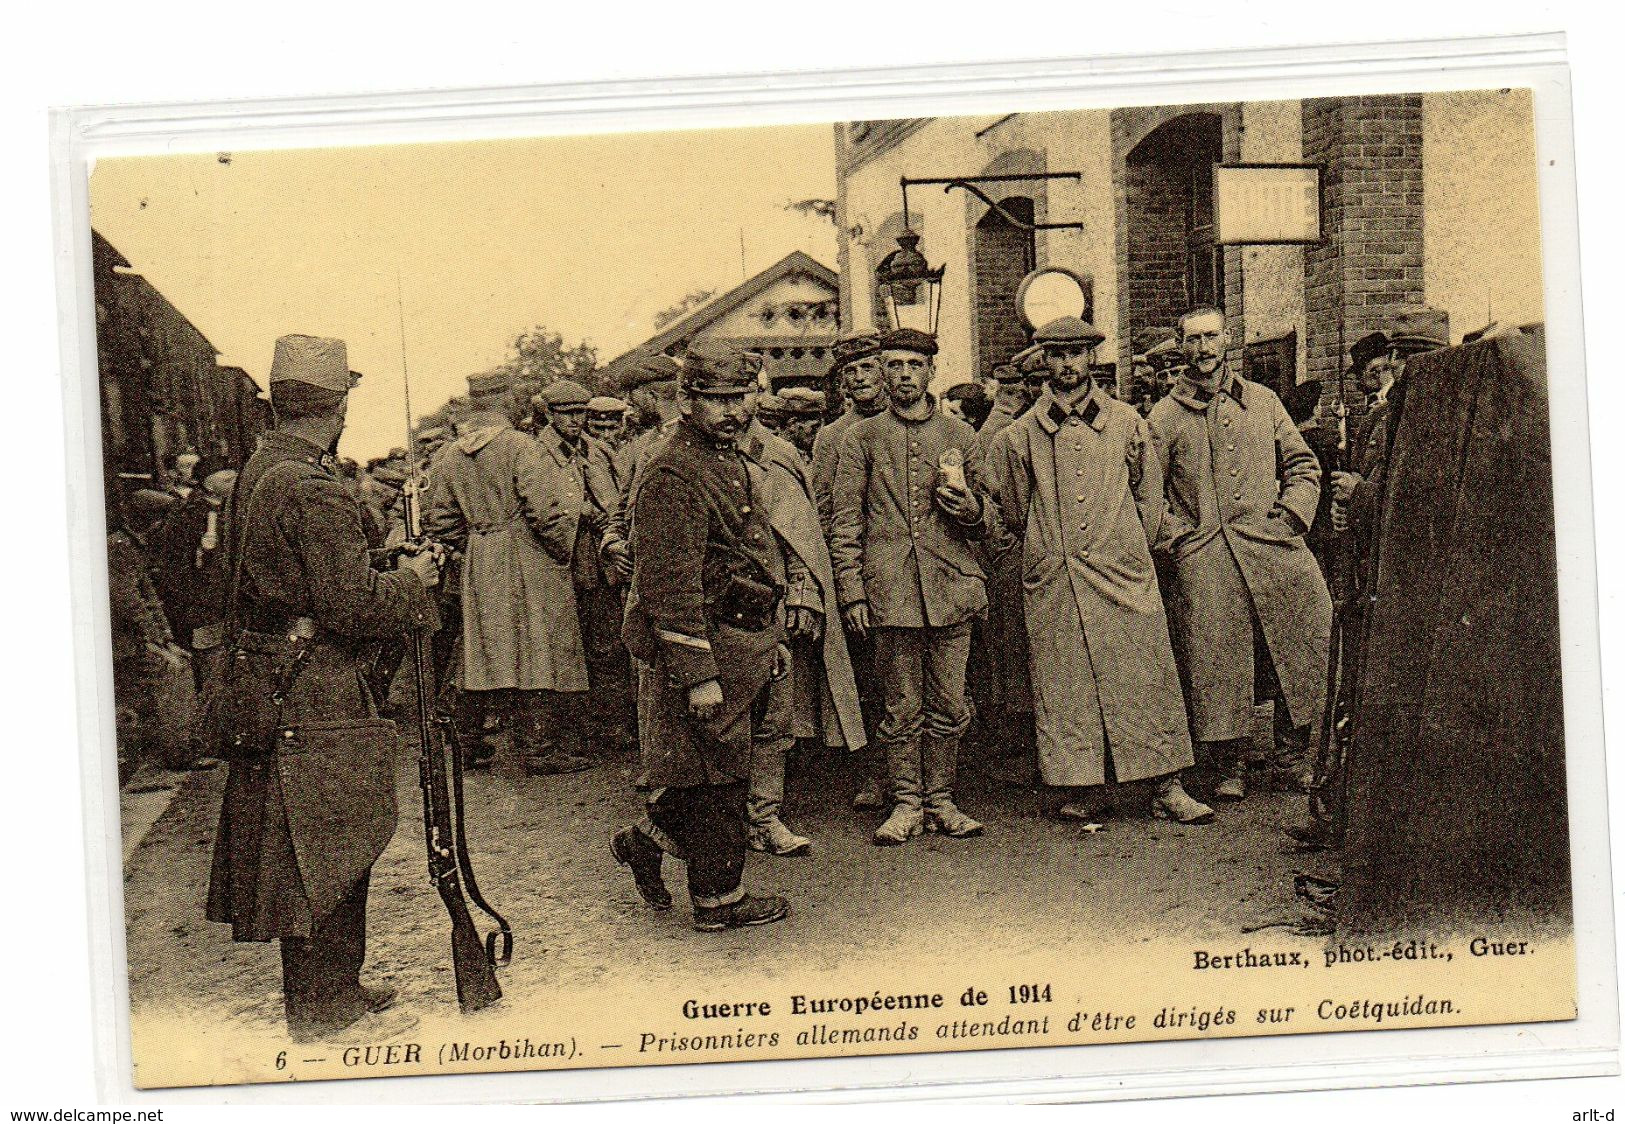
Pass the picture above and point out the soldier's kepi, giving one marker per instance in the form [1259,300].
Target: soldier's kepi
[704,612]
[310,796]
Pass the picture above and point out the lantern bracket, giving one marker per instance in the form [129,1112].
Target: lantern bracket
[968,183]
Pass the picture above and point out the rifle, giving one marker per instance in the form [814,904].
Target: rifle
[1337,722]
[450,868]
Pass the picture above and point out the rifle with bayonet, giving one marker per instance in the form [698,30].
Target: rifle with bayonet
[450,868]
[1337,719]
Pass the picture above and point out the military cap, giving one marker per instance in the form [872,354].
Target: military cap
[565,394]
[715,370]
[432,434]
[392,474]
[1031,360]
[1008,373]
[769,403]
[604,404]
[909,339]
[1069,329]
[852,346]
[801,401]
[1420,329]
[313,360]
[1367,348]
[644,367]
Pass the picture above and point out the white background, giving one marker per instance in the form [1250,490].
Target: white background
[59,54]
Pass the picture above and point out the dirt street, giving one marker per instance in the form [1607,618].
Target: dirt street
[541,856]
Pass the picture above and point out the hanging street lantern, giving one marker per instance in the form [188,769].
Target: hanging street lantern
[913,290]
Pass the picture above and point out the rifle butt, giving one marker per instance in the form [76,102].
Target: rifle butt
[477,986]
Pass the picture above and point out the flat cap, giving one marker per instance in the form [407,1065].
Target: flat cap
[313,360]
[1420,329]
[432,433]
[388,473]
[909,339]
[769,403]
[1069,329]
[1008,373]
[565,394]
[604,404]
[802,401]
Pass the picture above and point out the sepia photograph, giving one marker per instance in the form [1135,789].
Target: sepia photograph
[887,586]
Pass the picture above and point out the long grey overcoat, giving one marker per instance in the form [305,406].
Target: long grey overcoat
[1079,493]
[826,689]
[518,512]
[1242,487]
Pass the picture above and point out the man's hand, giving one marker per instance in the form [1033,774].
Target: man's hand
[960,503]
[704,700]
[423,564]
[856,618]
[1343,485]
[804,624]
[781,663]
[619,557]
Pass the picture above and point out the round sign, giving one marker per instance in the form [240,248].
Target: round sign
[1050,293]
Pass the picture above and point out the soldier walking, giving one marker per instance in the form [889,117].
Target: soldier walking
[1249,608]
[704,613]
[1079,495]
[907,510]
[517,513]
[310,798]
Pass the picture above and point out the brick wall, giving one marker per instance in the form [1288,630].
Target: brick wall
[1001,257]
[1369,263]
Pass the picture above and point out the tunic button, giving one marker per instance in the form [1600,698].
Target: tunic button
[744,511]
[1227,422]
[1077,449]
[1080,472]
[1235,471]
[1080,499]
[1086,554]
[1237,497]
[1230,447]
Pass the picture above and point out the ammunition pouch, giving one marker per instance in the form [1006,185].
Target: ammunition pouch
[746,602]
[241,713]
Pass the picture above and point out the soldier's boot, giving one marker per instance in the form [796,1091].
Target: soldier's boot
[940,758]
[1232,760]
[907,817]
[1294,763]
[1172,802]
[642,856]
[542,726]
[748,910]
[871,793]
[770,836]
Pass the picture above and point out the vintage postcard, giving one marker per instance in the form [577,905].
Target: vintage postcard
[877,587]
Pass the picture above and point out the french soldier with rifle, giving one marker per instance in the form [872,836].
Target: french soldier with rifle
[309,803]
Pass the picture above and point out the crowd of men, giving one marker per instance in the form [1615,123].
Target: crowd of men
[1105,590]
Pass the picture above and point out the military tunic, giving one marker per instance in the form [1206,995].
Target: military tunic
[1078,492]
[303,555]
[703,546]
[892,546]
[1242,489]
